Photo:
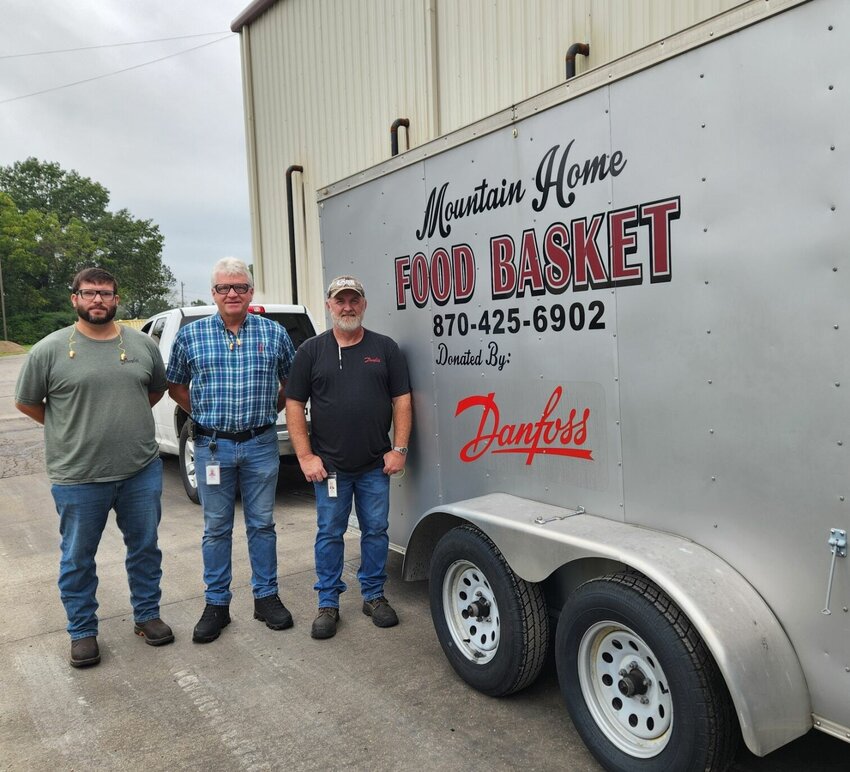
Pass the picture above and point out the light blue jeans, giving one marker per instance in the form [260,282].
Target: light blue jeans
[83,510]
[370,492]
[252,466]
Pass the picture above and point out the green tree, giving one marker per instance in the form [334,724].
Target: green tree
[33,184]
[125,242]
[53,223]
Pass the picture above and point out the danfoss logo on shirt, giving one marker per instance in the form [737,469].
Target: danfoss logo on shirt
[548,435]
[372,360]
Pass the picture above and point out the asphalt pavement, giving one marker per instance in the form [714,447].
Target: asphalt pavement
[255,699]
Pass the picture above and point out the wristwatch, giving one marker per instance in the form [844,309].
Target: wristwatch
[403,451]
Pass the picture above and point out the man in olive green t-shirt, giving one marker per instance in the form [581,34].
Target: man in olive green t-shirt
[92,385]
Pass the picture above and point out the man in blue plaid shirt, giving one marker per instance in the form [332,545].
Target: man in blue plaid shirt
[227,371]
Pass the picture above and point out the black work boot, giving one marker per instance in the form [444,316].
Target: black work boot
[324,625]
[271,611]
[212,622]
[381,611]
[154,631]
[84,652]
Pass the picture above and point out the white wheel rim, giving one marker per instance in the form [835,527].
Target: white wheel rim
[189,463]
[466,587]
[639,725]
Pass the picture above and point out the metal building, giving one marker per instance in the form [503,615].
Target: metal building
[329,84]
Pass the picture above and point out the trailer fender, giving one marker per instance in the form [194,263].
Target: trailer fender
[750,647]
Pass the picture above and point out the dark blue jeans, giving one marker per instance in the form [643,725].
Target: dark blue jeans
[83,510]
[370,492]
[253,467]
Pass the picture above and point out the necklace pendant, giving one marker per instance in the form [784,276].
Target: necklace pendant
[71,354]
[123,357]
[231,347]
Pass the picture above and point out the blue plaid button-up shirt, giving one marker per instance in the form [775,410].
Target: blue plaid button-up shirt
[233,379]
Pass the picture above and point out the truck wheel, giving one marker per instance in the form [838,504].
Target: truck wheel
[492,625]
[641,688]
[186,460]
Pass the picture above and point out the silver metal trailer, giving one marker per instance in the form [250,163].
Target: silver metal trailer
[625,308]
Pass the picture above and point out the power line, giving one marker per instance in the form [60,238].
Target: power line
[110,45]
[114,72]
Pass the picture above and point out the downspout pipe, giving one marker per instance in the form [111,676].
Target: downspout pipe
[394,134]
[574,50]
[290,216]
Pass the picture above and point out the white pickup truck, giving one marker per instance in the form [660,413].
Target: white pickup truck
[172,425]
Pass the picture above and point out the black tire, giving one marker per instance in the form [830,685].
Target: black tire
[503,649]
[186,461]
[640,685]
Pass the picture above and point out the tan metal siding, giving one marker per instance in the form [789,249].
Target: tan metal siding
[328,77]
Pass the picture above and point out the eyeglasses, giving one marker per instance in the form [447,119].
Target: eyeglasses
[239,289]
[90,294]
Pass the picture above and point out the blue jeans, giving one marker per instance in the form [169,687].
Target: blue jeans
[371,494]
[252,466]
[83,510]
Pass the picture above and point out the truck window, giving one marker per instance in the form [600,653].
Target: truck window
[156,331]
[297,325]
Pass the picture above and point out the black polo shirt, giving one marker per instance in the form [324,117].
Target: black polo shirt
[350,390]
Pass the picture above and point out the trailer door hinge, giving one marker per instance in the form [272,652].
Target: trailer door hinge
[837,544]
[540,520]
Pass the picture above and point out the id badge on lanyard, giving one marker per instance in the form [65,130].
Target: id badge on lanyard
[213,469]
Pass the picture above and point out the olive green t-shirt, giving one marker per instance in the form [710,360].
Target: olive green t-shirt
[98,423]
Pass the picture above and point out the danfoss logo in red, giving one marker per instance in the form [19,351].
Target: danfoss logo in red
[548,435]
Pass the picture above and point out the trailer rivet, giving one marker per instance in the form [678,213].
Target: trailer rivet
[708,332]
[705,230]
[835,326]
[832,208]
[831,87]
[702,125]
[702,74]
[837,384]
[709,381]
[711,431]
[703,179]
[841,498]
[713,479]
[832,147]
[840,443]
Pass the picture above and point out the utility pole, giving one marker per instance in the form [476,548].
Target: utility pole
[3,303]
[182,298]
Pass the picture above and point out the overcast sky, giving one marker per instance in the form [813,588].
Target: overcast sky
[166,139]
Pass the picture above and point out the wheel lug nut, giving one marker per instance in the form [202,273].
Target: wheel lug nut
[624,673]
[644,700]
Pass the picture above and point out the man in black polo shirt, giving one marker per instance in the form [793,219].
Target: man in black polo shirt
[357,383]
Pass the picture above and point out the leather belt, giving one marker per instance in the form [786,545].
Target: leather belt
[235,436]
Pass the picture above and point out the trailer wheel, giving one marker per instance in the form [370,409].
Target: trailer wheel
[641,688]
[186,461]
[492,625]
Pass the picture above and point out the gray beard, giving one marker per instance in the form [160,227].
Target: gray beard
[348,323]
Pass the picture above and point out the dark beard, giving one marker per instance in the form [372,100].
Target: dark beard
[110,315]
